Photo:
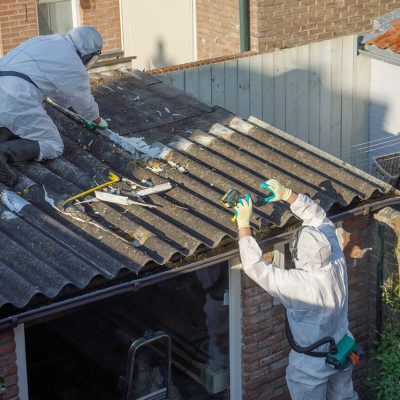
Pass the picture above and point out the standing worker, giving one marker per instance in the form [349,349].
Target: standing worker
[315,293]
[54,66]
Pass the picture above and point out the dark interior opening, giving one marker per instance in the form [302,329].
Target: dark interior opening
[83,354]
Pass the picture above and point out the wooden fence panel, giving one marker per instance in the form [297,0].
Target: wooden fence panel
[244,87]
[303,91]
[231,86]
[256,78]
[268,88]
[317,92]
[280,90]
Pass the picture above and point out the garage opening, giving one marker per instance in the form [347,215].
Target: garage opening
[87,353]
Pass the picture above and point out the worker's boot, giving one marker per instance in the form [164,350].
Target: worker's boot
[13,151]
[6,134]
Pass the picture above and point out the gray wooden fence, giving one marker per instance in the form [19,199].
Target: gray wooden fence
[317,92]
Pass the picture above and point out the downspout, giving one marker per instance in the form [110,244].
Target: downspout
[244,25]
[137,284]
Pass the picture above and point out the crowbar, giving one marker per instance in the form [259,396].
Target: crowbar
[74,116]
[113,179]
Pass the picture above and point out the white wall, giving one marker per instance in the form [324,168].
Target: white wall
[317,92]
[384,108]
[159,32]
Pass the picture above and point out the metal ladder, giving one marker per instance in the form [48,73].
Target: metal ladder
[127,380]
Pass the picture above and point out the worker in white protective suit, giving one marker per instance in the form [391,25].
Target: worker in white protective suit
[315,293]
[54,66]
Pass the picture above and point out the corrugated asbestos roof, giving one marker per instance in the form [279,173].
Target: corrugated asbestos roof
[203,151]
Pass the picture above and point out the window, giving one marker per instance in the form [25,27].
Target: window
[55,16]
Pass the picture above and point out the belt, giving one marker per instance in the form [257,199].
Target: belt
[18,75]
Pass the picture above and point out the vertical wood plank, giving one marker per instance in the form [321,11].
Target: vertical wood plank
[348,59]
[178,79]
[217,84]
[303,91]
[279,90]
[192,81]
[314,100]
[244,87]
[325,72]
[361,123]
[336,96]
[256,86]
[205,83]
[231,86]
[291,115]
[166,78]
[268,88]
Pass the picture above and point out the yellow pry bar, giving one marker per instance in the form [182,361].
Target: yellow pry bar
[113,179]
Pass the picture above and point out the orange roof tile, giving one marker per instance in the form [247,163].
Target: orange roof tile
[390,39]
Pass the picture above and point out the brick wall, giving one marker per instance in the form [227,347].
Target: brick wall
[18,22]
[389,219]
[104,15]
[8,366]
[265,348]
[278,24]
[217,28]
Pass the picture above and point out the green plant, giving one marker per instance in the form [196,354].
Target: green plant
[384,380]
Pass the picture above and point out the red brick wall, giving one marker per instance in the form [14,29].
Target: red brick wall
[217,28]
[265,348]
[8,366]
[18,22]
[104,15]
[282,23]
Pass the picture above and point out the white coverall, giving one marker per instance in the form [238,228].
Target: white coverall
[315,295]
[53,64]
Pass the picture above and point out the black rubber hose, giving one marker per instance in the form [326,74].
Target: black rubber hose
[309,349]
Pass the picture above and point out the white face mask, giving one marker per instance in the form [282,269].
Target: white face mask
[92,62]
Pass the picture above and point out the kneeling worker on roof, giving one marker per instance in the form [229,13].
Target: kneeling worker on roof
[54,66]
[315,293]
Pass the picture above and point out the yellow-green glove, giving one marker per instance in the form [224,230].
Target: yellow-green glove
[243,212]
[102,124]
[279,192]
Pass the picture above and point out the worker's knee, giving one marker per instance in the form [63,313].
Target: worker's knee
[50,149]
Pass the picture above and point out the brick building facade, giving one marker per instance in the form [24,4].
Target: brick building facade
[8,365]
[277,24]
[19,21]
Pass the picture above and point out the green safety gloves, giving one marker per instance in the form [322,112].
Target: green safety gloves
[102,124]
[278,191]
[243,211]
[244,208]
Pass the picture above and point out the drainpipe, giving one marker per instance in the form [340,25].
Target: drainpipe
[137,284]
[244,25]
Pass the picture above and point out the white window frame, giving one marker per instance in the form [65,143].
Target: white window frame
[76,13]
[235,328]
[19,337]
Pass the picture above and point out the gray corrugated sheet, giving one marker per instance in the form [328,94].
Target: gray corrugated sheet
[46,254]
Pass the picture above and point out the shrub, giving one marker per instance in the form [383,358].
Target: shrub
[384,380]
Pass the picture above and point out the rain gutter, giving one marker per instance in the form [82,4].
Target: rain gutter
[381,55]
[244,25]
[135,285]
